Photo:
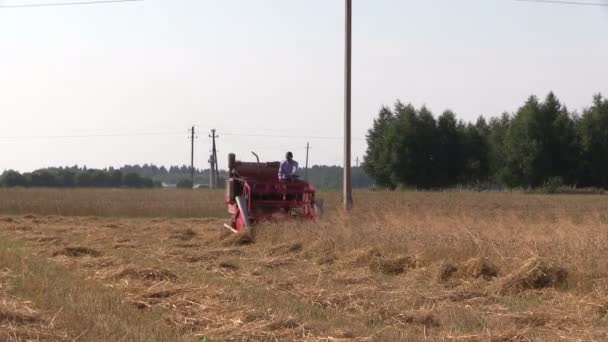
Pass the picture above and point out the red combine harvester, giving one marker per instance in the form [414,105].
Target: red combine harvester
[254,193]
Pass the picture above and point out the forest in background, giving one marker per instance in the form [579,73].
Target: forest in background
[543,144]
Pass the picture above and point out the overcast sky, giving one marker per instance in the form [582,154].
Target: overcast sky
[112,84]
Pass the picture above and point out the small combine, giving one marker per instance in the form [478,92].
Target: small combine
[254,193]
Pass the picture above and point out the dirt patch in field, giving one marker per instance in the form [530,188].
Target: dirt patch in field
[425,318]
[184,235]
[287,248]
[21,228]
[78,252]
[240,239]
[229,265]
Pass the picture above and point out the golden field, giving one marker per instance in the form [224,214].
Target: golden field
[156,265]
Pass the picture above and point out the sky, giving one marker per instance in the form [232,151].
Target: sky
[113,84]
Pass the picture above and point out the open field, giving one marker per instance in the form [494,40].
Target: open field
[404,267]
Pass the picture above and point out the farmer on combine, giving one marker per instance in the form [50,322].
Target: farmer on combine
[288,168]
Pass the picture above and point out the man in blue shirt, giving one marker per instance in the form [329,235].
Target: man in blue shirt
[288,168]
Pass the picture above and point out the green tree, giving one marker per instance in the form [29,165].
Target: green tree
[13,178]
[477,152]
[498,129]
[184,183]
[540,144]
[413,161]
[376,162]
[133,180]
[450,151]
[66,178]
[116,178]
[593,137]
[43,179]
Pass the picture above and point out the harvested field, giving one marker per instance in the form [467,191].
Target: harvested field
[404,267]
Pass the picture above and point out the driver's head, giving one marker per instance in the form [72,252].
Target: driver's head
[289,156]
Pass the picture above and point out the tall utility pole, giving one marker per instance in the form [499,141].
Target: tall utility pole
[347,186]
[214,168]
[211,171]
[192,156]
[306,172]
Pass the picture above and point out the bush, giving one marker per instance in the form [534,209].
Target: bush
[184,184]
[552,185]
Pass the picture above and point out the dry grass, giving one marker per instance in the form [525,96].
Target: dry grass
[112,202]
[403,267]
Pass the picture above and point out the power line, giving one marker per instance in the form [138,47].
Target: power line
[73,3]
[285,136]
[575,3]
[78,136]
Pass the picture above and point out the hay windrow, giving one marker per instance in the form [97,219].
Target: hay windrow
[425,318]
[15,317]
[145,274]
[535,273]
[476,268]
[365,257]
[393,266]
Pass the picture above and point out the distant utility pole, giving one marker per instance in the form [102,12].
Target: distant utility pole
[347,186]
[192,137]
[306,172]
[357,163]
[214,167]
[211,172]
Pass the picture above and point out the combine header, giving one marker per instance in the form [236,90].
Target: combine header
[254,193]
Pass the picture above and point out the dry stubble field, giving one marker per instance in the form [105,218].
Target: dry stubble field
[93,265]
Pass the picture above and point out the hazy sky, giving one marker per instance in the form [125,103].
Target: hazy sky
[103,76]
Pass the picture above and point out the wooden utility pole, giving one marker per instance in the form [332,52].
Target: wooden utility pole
[347,186]
[211,172]
[306,172]
[214,167]
[192,156]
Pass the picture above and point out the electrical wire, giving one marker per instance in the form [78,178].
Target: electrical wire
[73,3]
[575,3]
[80,136]
[284,136]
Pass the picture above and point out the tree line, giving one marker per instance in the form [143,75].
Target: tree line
[150,175]
[70,178]
[541,144]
